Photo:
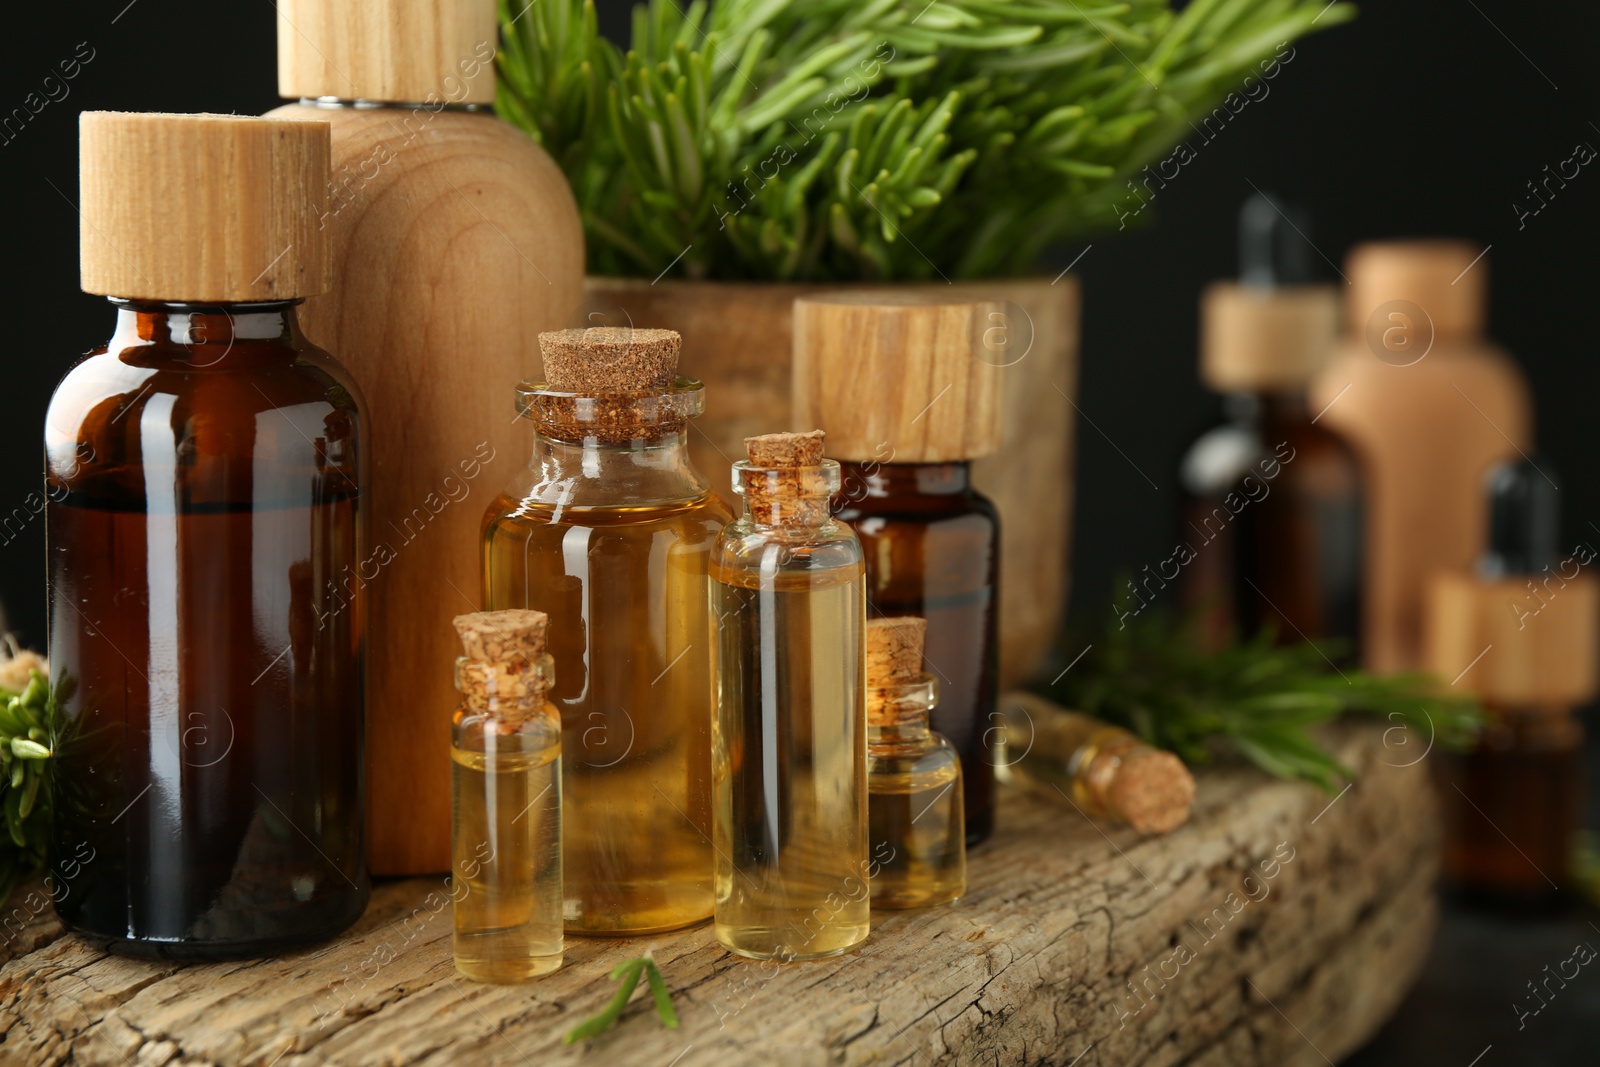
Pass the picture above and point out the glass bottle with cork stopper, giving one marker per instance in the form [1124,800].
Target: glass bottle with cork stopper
[919,842]
[611,527]
[1273,500]
[789,761]
[207,495]
[909,396]
[1522,633]
[505,751]
[1106,772]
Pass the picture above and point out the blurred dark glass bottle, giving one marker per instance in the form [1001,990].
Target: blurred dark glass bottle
[1271,530]
[1521,633]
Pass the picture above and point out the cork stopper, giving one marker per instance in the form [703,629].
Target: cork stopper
[1262,339]
[512,636]
[202,208]
[609,359]
[1446,279]
[1148,789]
[785,449]
[894,650]
[913,376]
[393,51]
[786,481]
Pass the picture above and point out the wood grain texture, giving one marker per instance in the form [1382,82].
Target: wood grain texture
[393,50]
[1298,965]
[455,241]
[738,338]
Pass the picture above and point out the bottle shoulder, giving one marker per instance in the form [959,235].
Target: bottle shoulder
[749,550]
[928,763]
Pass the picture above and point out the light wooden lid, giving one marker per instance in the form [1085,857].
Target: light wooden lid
[1265,338]
[1439,276]
[202,208]
[395,51]
[1514,644]
[899,377]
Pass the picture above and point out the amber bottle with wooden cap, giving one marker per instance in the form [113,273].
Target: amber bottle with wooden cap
[1431,406]
[789,760]
[909,395]
[611,528]
[206,474]
[1522,632]
[505,830]
[914,803]
[1104,771]
[1272,517]
[454,241]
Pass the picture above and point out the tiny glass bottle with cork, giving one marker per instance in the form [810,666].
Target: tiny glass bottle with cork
[1104,771]
[1522,633]
[1273,502]
[914,801]
[206,473]
[789,758]
[505,754]
[611,526]
[909,396]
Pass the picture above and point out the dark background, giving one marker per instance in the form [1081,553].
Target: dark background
[1423,117]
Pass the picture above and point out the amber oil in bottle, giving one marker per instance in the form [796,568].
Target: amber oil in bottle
[505,755]
[914,802]
[789,739]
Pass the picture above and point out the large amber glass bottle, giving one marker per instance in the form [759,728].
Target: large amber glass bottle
[206,472]
[610,530]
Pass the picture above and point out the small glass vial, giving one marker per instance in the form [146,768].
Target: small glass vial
[789,759]
[505,755]
[915,807]
[1106,772]
[207,533]
[611,527]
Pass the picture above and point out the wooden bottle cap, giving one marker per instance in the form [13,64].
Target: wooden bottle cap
[202,208]
[894,650]
[609,359]
[785,449]
[515,635]
[899,377]
[1512,646]
[394,51]
[1256,338]
[1446,279]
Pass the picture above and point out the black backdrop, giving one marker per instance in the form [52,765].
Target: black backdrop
[1423,117]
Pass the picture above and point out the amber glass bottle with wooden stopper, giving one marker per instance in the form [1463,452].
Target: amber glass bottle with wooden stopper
[1104,771]
[909,396]
[1522,632]
[207,498]
[789,759]
[1430,405]
[454,241]
[915,808]
[1272,517]
[610,525]
[505,753]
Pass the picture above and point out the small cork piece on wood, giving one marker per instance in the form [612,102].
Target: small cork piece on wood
[609,359]
[785,449]
[1152,790]
[515,635]
[894,650]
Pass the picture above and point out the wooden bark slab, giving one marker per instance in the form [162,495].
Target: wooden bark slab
[1076,945]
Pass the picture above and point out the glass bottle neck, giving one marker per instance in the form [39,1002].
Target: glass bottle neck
[907,479]
[900,735]
[1277,407]
[205,331]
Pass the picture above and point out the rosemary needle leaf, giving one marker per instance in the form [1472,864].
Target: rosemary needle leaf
[628,971]
[658,989]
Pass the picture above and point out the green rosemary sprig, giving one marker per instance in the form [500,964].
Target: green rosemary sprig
[1157,677]
[878,139]
[27,711]
[629,972]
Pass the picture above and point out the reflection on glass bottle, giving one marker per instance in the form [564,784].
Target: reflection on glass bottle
[789,742]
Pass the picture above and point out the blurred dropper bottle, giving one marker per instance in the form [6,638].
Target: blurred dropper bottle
[1521,632]
[1271,533]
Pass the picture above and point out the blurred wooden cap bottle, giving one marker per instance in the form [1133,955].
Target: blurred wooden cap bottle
[394,51]
[1444,278]
[202,208]
[901,377]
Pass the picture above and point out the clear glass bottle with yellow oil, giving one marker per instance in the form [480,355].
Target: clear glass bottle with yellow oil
[789,743]
[915,807]
[505,755]
[610,528]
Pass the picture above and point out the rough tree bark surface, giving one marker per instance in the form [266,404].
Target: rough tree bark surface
[1281,927]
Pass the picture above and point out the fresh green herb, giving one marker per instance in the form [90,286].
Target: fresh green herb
[879,139]
[628,971]
[27,712]
[1158,677]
